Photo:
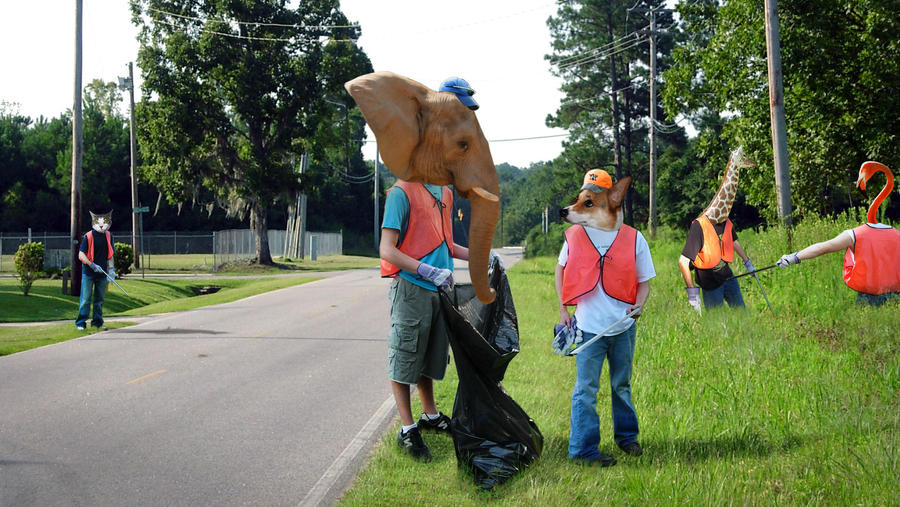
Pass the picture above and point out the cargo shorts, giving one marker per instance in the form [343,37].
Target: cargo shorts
[418,341]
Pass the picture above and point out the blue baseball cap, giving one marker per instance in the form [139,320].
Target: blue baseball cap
[460,87]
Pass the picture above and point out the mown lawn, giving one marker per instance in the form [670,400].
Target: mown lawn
[145,296]
[796,406]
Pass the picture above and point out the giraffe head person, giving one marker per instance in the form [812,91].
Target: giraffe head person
[720,207]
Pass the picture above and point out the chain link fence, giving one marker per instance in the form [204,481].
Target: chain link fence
[222,246]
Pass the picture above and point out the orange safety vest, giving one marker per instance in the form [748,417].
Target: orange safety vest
[90,252]
[429,225]
[872,265]
[585,267]
[715,249]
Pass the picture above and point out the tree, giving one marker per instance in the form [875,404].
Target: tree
[841,67]
[601,53]
[234,92]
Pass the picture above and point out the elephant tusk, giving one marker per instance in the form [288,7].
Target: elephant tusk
[484,194]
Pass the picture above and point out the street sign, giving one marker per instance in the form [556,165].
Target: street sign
[142,209]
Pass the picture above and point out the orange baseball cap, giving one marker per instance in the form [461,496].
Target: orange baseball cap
[596,180]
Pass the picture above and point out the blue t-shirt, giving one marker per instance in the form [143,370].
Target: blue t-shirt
[396,216]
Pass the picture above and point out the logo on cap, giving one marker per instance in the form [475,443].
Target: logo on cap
[596,180]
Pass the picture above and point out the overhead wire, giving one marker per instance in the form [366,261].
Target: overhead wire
[254,23]
[250,37]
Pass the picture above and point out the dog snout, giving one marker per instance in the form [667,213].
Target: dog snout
[563,212]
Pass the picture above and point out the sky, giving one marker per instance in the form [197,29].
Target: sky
[498,46]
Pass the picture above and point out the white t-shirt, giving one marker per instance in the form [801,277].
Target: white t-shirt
[596,310]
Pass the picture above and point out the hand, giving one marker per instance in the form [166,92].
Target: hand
[564,317]
[748,265]
[112,272]
[788,260]
[439,277]
[694,298]
[639,308]
[95,267]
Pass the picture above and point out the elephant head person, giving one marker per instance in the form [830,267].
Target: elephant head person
[417,250]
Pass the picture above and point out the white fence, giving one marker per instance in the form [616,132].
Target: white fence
[224,246]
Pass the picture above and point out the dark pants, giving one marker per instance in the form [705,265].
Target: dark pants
[95,287]
[729,292]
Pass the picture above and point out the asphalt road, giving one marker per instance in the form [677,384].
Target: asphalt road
[271,400]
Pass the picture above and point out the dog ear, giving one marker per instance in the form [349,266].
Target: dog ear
[617,192]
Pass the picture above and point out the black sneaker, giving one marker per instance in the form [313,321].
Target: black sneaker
[413,443]
[600,460]
[634,449]
[441,424]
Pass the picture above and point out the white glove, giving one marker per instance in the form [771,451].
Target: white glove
[788,260]
[748,265]
[439,277]
[694,298]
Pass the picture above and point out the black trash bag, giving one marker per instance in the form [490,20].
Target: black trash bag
[492,435]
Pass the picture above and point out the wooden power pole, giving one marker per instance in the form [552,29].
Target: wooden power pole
[652,219]
[776,112]
[135,202]
[75,210]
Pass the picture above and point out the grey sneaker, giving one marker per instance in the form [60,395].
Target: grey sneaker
[414,445]
[441,424]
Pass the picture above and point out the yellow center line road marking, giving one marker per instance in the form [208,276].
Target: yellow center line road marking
[145,377]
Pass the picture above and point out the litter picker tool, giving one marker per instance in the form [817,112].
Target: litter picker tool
[601,333]
[113,280]
[763,292]
[754,272]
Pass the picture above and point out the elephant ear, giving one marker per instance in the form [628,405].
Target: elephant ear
[391,105]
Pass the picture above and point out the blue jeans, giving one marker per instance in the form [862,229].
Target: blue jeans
[585,432]
[89,286]
[729,291]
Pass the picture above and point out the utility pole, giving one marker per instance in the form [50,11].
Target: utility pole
[652,219]
[75,200]
[377,191]
[776,113]
[129,85]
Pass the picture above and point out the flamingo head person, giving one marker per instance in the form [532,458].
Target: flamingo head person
[866,171]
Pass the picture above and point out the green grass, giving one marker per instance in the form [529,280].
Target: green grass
[146,296]
[18,339]
[799,406]
[203,263]
[200,263]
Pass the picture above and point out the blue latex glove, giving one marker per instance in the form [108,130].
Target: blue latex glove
[95,267]
[439,277]
[112,272]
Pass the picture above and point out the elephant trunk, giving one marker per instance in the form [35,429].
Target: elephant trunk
[481,234]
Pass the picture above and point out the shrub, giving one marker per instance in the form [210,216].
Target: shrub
[29,264]
[123,258]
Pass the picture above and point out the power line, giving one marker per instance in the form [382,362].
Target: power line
[248,37]
[564,60]
[603,56]
[254,23]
